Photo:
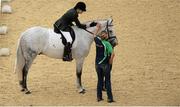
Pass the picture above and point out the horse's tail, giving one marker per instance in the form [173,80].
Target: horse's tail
[19,61]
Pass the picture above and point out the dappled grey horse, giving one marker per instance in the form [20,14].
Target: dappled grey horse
[39,40]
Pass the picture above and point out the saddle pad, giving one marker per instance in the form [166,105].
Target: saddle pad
[55,40]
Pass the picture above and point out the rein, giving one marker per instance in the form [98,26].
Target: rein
[89,31]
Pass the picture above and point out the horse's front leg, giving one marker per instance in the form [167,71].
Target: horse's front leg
[79,66]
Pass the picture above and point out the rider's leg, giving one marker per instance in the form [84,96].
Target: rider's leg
[67,52]
[67,49]
[56,30]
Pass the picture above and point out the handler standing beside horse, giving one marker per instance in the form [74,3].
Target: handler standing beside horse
[104,59]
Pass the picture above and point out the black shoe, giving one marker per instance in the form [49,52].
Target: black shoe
[66,58]
[99,99]
[110,100]
[70,56]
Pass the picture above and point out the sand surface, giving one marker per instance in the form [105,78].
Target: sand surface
[146,69]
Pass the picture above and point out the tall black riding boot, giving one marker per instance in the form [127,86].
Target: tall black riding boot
[67,52]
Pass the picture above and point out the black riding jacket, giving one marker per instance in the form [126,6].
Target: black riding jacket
[66,20]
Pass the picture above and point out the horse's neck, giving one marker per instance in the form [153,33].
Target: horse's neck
[92,29]
[90,32]
[83,36]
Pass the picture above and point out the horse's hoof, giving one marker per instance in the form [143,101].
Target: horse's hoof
[27,92]
[82,91]
[22,90]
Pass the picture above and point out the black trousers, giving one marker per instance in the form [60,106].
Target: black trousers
[104,70]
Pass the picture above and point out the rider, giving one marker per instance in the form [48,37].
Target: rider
[65,22]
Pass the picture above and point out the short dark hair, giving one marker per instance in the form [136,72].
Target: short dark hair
[104,31]
[81,6]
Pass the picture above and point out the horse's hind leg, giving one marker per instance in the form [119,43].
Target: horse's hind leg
[27,65]
[79,65]
[24,80]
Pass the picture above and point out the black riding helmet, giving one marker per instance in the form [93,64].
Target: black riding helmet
[81,6]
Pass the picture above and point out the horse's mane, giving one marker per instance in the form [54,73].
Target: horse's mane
[95,21]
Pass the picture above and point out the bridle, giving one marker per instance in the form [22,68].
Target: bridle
[107,29]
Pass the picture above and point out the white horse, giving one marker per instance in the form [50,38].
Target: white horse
[39,40]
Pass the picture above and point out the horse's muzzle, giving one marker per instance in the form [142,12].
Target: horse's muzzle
[113,41]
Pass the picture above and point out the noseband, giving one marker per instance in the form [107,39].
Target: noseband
[107,29]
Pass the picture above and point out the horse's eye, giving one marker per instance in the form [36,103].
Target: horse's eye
[110,31]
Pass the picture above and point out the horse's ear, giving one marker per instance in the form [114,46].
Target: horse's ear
[111,19]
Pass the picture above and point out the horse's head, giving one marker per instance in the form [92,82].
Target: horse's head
[108,26]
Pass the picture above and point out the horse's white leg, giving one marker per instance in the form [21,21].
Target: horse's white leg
[31,55]
[79,66]
[19,64]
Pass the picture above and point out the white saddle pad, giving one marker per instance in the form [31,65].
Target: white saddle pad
[55,40]
[67,35]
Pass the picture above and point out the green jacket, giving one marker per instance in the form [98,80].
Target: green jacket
[108,46]
[107,49]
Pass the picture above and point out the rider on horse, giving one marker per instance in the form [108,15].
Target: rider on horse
[64,24]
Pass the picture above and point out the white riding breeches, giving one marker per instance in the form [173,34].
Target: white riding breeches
[67,36]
